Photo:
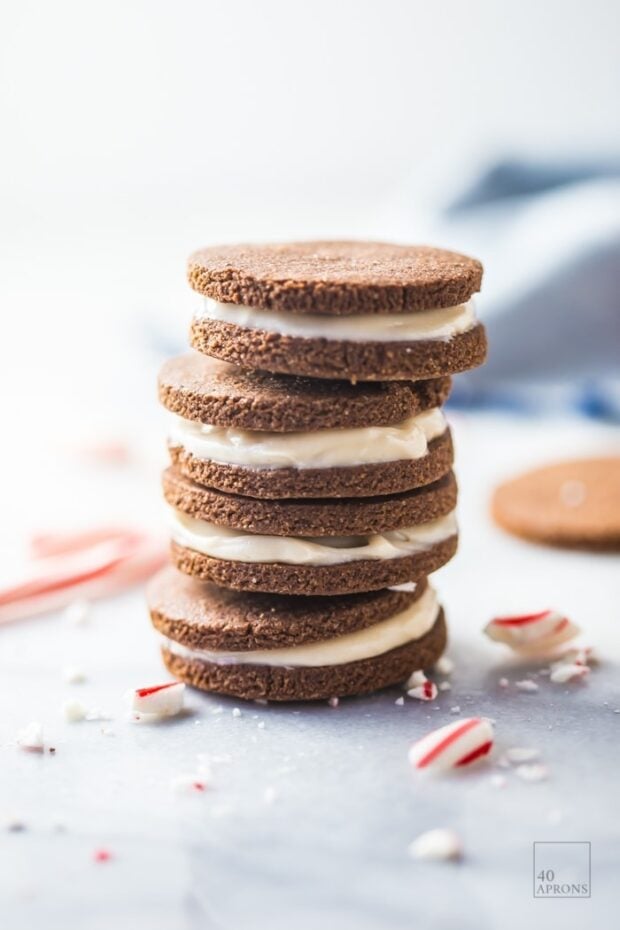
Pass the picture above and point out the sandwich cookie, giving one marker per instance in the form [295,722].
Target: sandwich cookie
[310,546]
[344,310]
[273,436]
[293,648]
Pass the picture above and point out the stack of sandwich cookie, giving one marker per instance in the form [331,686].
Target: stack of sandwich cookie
[311,494]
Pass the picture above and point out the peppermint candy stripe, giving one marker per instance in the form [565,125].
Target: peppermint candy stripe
[532,634]
[457,744]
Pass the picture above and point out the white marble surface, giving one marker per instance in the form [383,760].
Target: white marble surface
[330,849]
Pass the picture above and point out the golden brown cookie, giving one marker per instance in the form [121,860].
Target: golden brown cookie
[573,504]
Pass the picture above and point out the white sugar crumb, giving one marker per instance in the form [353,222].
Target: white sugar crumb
[236,712]
[78,612]
[73,675]
[261,724]
[188,784]
[444,666]
[526,684]
[532,773]
[74,711]
[503,682]
[217,710]
[455,710]
[270,795]
[439,845]
[444,686]
[31,737]
[498,781]
[519,754]
[333,702]
[399,701]
[107,731]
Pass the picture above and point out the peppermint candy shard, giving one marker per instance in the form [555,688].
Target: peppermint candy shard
[532,634]
[454,745]
[161,700]
[439,844]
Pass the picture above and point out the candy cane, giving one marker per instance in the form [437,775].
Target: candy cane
[457,744]
[93,564]
[532,634]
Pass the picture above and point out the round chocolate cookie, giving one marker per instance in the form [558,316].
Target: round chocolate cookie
[370,480]
[311,517]
[325,580]
[319,357]
[200,388]
[572,504]
[208,631]
[339,278]
[205,616]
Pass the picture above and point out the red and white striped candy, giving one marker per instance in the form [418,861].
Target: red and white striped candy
[162,700]
[420,687]
[457,744]
[532,634]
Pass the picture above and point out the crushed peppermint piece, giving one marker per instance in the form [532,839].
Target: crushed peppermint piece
[399,701]
[439,844]
[333,702]
[445,686]
[453,745]
[15,824]
[102,855]
[444,665]
[532,634]
[526,685]
[561,672]
[78,612]
[236,712]
[73,675]
[194,783]
[261,724]
[158,700]
[74,711]
[421,687]
[518,754]
[415,680]
[31,738]
[532,773]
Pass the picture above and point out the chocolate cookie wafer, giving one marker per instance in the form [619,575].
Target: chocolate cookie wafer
[293,648]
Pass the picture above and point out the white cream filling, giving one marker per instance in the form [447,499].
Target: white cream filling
[321,449]
[442,324]
[405,627]
[220,542]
